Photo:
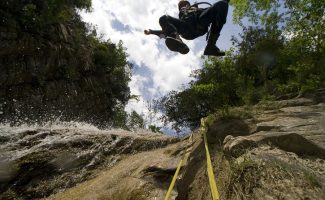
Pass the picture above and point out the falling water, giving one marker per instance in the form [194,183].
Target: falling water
[39,160]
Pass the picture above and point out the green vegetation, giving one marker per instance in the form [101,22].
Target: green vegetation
[282,51]
[35,14]
[131,122]
[155,129]
[86,74]
[83,77]
[228,113]
[244,177]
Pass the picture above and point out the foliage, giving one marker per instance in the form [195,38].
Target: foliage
[97,67]
[34,15]
[300,23]
[128,121]
[120,117]
[110,60]
[155,129]
[245,175]
[213,88]
[282,51]
[136,121]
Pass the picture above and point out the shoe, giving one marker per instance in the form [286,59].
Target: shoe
[212,50]
[176,44]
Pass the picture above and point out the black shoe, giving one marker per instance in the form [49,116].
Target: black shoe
[176,44]
[212,50]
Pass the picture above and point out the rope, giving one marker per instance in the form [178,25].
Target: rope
[172,184]
[212,181]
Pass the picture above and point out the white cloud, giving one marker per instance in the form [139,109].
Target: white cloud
[166,70]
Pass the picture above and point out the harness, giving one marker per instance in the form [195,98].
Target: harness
[196,6]
[199,3]
[191,16]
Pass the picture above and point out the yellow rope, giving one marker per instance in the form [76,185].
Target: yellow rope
[172,184]
[212,181]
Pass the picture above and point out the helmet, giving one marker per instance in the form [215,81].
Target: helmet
[183,3]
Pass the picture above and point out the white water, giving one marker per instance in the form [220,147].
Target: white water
[18,141]
[70,150]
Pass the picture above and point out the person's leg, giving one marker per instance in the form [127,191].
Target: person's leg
[216,15]
[217,12]
[171,27]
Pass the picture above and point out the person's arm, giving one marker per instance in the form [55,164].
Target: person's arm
[159,33]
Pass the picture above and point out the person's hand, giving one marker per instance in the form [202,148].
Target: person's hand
[147,32]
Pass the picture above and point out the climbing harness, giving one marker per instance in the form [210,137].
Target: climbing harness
[200,3]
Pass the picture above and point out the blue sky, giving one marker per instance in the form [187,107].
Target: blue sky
[157,70]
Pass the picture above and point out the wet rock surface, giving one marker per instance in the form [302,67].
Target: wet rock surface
[286,151]
[296,125]
[260,159]
[272,173]
[144,175]
[278,153]
[291,142]
[37,162]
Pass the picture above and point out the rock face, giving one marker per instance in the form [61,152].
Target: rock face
[278,153]
[296,125]
[146,175]
[50,72]
[291,142]
[281,154]
[36,162]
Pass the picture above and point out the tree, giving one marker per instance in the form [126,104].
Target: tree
[135,121]
[87,76]
[281,51]
[215,86]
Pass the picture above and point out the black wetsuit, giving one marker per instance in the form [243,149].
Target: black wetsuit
[193,24]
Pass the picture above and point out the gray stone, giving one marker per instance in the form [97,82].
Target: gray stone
[291,142]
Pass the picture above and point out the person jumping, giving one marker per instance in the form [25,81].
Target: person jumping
[192,23]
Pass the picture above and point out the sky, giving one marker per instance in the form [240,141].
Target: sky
[157,70]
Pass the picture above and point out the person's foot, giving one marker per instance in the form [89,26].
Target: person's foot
[212,50]
[176,44]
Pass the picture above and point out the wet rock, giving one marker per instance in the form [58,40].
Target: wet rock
[294,125]
[8,170]
[237,146]
[4,139]
[235,127]
[291,142]
[66,161]
[160,175]
[37,162]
